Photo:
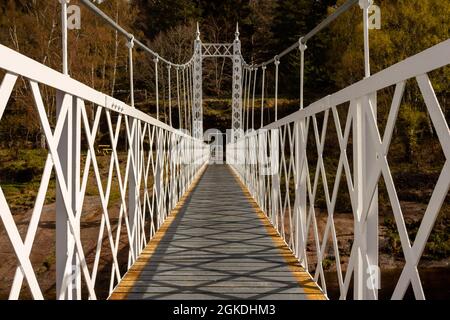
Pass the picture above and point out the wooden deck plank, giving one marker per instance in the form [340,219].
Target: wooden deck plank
[217,245]
[200,273]
[219,280]
[200,288]
[196,296]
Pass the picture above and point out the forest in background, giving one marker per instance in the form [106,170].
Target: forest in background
[334,59]
[98,55]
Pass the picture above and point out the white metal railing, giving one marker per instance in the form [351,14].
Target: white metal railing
[158,163]
[157,167]
[274,160]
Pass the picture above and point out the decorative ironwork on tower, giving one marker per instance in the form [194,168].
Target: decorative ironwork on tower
[236,122]
[197,107]
[218,50]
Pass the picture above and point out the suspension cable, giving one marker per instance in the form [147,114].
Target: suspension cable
[130,46]
[164,100]
[180,124]
[277,63]
[302,48]
[170,94]
[192,92]
[365,7]
[253,100]
[262,94]
[184,98]
[191,79]
[188,102]
[247,96]
[244,84]
[191,88]
[156,87]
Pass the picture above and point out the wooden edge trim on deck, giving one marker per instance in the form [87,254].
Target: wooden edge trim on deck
[149,250]
[311,289]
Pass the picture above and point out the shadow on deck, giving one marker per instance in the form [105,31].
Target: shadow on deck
[217,244]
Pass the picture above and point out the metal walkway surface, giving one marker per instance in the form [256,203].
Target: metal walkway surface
[217,244]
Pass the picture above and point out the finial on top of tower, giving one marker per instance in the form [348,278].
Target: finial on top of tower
[198,32]
[237,31]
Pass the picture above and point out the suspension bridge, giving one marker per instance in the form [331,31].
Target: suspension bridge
[197,229]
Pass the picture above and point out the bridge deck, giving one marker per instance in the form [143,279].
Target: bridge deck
[217,245]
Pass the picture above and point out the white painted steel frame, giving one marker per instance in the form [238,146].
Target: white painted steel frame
[162,162]
[224,50]
[157,152]
[370,163]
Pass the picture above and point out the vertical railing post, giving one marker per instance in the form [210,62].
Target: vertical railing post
[263,162]
[371,271]
[171,154]
[76,162]
[175,157]
[133,169]
[274,155]
[62,230]
[274,167]
[358,279]
[367,276]
[301,176]
[159,178]
[69,154]
[246,125]
[254,163]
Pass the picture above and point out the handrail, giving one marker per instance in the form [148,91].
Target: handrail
[129,35]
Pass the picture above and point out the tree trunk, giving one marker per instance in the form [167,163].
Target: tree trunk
[43,141]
